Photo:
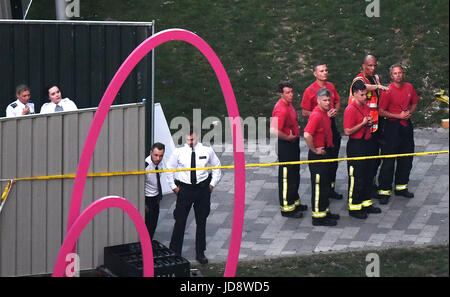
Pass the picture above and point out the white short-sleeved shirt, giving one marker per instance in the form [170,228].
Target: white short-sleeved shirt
[66,104]
[181,158]
[16,108]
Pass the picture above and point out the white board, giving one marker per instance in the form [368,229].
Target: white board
[162,134]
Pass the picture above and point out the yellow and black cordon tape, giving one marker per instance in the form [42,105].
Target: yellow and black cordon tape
[122,173]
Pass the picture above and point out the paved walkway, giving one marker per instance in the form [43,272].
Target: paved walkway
[403,222]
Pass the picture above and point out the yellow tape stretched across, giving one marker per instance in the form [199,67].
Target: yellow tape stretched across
[121,173]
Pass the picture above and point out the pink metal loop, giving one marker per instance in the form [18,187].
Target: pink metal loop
[88,214]
[100,115]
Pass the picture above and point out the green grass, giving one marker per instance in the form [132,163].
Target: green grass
[263,42]
[423,261]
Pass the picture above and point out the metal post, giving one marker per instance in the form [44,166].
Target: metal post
[153,88]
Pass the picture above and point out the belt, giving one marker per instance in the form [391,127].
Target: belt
[153,197]
[201,184]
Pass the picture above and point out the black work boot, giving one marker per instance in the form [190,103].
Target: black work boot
[372,209]
[292,214]
[201,258]
[324,222]
[359,214]
[333,216]
[404,193]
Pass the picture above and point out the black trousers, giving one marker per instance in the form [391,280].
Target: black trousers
[200,198]
[288,175]
[398,140]
[333,153]
[359,182]
[320,185]
[374,150]
[151,214]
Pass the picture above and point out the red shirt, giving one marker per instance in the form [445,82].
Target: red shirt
[397,100]
[284,118]
[309,100]
[319,126]
[373,97]
[354,115]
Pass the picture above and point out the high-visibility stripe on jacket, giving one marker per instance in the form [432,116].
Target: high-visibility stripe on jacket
[372,98]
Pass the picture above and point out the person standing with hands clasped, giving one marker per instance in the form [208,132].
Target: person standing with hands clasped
[153,190]
[397,105]
[357,125]
[194,189]
[319,137]
[284,126]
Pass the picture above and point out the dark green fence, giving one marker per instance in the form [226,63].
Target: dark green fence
[80,57]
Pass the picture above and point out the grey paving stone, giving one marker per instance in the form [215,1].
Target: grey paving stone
[403,222]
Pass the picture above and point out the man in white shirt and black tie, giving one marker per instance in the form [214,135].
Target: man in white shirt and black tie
[193,188]
[153,191]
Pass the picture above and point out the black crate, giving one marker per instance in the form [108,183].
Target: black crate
[126,260]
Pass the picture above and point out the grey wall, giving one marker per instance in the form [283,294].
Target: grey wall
[33,221]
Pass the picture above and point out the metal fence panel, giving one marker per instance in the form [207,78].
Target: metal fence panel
[33,221]
[81,57]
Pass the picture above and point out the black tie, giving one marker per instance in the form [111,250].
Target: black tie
[158,181]
[58,108]
[193,173]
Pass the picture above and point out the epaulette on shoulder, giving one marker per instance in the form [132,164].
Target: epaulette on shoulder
[13,105]
[206,145]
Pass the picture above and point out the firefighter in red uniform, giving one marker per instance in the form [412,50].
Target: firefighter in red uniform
[357,125]
[285,126]
[374,88]
[397,105]
[319,138]
[309,102]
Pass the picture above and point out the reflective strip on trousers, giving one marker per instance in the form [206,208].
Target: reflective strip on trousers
[352,206]
[367,203]
[288,208]
[384,192]
[401,187]
[316,213]
[285,186]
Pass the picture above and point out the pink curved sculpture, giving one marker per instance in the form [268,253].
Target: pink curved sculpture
[233,112]
[88,214]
